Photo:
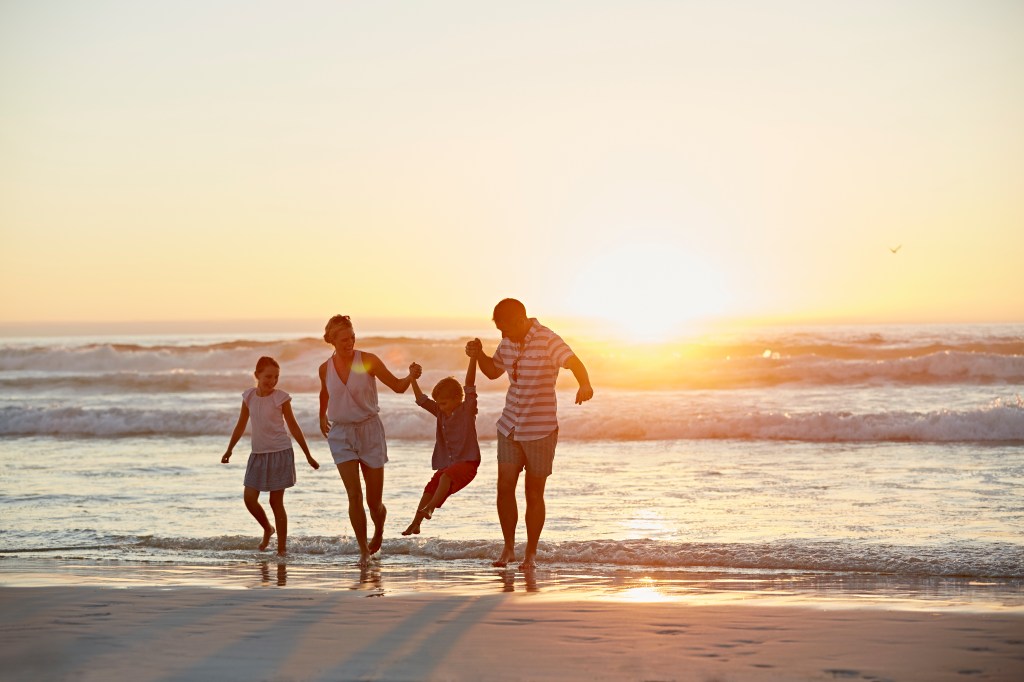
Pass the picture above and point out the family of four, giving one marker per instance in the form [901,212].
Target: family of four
[529,353]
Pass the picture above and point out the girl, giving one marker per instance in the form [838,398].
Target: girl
[272,462]
[352,427]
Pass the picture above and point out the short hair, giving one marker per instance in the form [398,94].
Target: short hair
[449,387]
[264,362]
[509,307]
[335,322]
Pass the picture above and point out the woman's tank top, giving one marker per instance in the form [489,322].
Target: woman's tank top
[355,401]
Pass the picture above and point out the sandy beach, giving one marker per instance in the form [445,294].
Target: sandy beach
[197,633]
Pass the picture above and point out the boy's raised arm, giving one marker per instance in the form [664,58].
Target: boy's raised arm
[416,389]
[475,349]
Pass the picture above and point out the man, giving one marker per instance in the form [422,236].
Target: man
[531,354]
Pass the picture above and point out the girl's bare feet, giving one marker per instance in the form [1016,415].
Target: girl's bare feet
[267,533]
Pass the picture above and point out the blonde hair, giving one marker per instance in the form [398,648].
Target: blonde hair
[332,324]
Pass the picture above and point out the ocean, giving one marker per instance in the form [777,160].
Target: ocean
[870,462]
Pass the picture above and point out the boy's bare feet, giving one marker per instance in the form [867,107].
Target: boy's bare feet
[507,556]
[378,533]
[267,533]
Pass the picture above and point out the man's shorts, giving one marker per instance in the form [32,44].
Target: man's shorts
[460,473]
[362,441]
[536,456]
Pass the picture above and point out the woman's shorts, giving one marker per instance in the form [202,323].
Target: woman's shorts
[460,473]
[362,441]
[270,470]
[536,456]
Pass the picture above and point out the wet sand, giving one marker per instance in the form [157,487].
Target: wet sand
[63,632]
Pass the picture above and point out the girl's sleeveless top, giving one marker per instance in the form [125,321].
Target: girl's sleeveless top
[355,401]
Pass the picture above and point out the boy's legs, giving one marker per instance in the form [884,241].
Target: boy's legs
[414,527]
[349,472]
[443,486]
[374,479]
[281,519]
[252,503]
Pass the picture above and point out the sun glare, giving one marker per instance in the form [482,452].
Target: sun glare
[647,292]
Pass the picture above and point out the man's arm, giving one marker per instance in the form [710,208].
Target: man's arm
[475,350]
[586,391]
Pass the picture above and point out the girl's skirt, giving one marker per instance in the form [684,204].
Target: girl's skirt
[270,470]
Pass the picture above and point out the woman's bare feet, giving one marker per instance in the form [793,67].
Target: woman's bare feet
[364,560]
[413,529]
[529,563]
[378,532]
[427,512]
[508,555]
[268,532]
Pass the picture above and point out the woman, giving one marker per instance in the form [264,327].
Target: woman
[349,421]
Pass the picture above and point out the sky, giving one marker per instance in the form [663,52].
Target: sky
[644,163]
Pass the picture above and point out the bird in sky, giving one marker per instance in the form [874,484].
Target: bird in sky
[894,249]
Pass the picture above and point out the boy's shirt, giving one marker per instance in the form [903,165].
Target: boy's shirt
[455,439]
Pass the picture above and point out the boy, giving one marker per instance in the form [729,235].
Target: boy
[456,451]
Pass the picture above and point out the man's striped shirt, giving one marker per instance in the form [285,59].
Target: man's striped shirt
[532,367]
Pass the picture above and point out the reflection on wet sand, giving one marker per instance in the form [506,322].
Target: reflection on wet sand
[370,580]
[281,578]
[478,578]
[507,578]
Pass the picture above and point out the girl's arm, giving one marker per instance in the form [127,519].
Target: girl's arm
[471,372]
[243,419]
[377,369]
[325,427]
[293,427]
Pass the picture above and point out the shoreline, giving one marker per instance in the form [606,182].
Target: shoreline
[403,576]
[183,633]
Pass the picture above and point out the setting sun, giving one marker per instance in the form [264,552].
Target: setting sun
[648,291]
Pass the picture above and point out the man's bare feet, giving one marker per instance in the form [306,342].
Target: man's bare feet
[378,532]
[413,529]
[529,563]
[282,553]
[364,560]
[507,556]
[267,533]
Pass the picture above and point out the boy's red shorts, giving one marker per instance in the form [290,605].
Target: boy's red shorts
[461,474]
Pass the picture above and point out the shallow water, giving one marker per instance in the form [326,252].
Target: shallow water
[890,455]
